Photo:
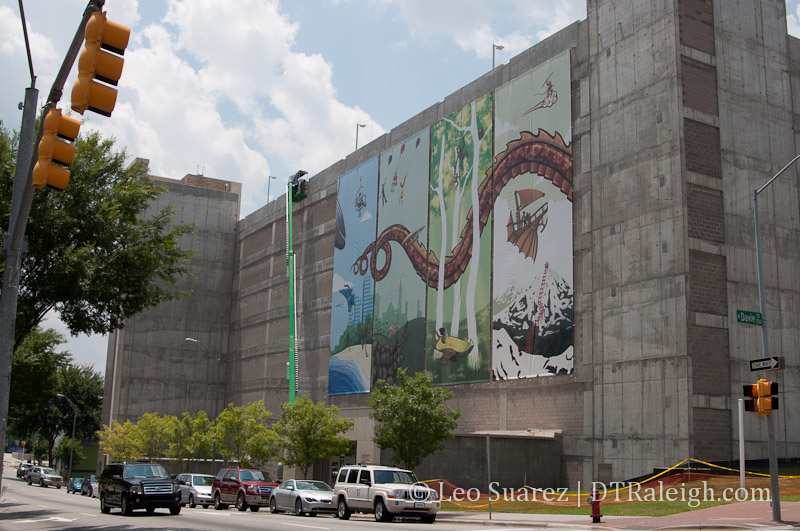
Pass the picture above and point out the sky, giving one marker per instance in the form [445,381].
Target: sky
[255,88]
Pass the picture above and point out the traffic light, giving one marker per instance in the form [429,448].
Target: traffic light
[98,63]
[299,187]
[761,394]
[51,149]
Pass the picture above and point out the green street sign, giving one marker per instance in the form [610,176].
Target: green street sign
[753,318]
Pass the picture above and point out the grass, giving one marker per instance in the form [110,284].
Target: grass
[653,498]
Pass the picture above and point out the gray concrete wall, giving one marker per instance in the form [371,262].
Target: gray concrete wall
[150,368]
[680,109]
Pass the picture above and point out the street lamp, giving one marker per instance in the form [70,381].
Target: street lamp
[216,400]
[72,445]
[269,182]
[773,458]
[495,47]
[357,126]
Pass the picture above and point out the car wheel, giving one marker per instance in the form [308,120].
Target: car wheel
[175,509]
[342,510]
[90,493]
[298,507]
[58,486]
[241,503]
[105,509]
[41,483]
[381,514]
[29,480]
[273,505]
[125,506]
[218,505]
[192,504]
[150,510]
[254,508]
[428,518]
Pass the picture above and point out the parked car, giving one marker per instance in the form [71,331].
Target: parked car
[385,491]
[196,489]
[89,487]
[23,469]
[138,485]
[246,487]
[44,477]
[74,485]
[303,497]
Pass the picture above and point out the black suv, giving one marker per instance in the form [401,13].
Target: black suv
[138,485]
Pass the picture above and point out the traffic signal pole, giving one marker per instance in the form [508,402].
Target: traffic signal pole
[771,443]
[22,197]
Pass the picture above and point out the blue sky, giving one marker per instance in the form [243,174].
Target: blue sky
[243,90]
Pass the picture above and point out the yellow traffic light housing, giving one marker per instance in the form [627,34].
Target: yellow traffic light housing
[51,149]
[98,63]
[762,400]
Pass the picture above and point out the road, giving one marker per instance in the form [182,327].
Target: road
[29,507]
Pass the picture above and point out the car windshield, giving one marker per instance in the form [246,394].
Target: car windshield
[394,476]
[202,481]
[255,475]
[313,485]
[48,471]
[145,471]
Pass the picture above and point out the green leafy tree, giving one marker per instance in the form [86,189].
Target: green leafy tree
[84,387]
[118,440]
[38,361]
[62,452]
[191,439]
[242,434]
[413,418]
[40,449]
[311,432]
[93,256]
[152,434]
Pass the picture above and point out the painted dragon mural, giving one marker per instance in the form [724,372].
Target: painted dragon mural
[541,154]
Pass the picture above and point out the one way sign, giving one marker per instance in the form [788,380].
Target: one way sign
[766,364]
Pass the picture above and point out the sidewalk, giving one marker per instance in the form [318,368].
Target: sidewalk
[744,515]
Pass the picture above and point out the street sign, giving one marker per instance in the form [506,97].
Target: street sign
[746,317]
[766,364]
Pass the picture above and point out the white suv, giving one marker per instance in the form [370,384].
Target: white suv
[385,491]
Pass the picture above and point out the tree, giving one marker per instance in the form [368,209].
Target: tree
[93,256]
[117,440]
[311,432]
[242,434]
[84,387]
[413,419]
[36,360]
[191,439]
[152,434]
[63,450]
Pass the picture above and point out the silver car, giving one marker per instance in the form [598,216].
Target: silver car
[302,496]
[195,489]
[44,477]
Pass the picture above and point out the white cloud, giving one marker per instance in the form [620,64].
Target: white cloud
[793,20]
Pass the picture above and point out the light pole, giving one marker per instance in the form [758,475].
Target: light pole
[216,400]
[269,182]
[72,445]
[494,48]
[773,457]
[357,127]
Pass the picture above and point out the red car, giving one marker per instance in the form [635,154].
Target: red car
[245,487]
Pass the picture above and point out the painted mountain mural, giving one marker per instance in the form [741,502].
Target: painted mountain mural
[533,335]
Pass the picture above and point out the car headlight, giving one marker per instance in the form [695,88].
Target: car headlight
[252,488]
[136,489]
[310,499]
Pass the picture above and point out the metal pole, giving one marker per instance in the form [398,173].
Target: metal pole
[216,413]
[72,446]
[290,272]
[741,444]
[771,442]
[357,127]
[489,473]
[269,182]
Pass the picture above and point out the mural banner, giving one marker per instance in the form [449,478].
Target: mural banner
[459,294]
[532,306]
[399,328]
[353,289]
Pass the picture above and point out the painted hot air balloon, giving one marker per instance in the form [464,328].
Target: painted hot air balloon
[390,158]
[417,145]
[402,148]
